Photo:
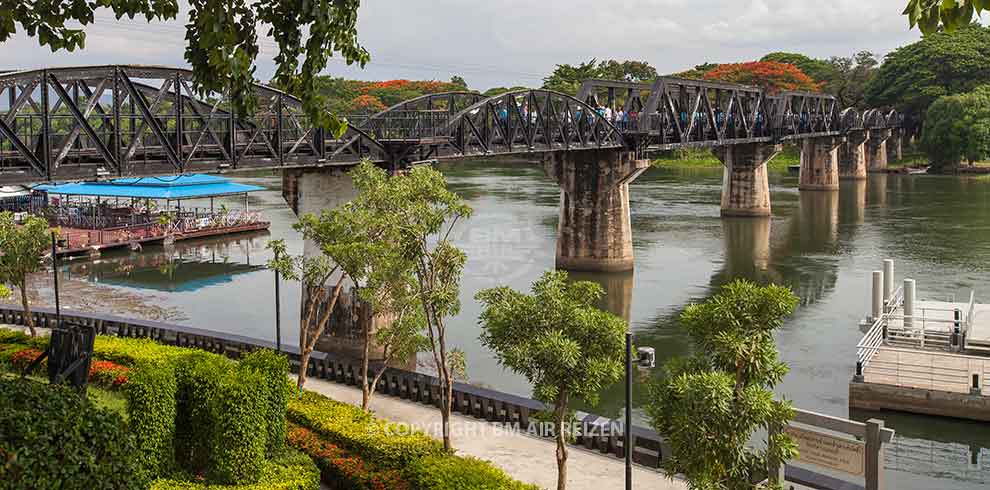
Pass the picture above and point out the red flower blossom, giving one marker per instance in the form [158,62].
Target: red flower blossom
[768,75]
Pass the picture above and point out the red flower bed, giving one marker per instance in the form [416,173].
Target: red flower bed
[108,373]
[22,358]
[342,469]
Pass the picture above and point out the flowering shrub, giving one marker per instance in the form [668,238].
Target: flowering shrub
[342,468]
[22,358]
[768,75]
[108,373]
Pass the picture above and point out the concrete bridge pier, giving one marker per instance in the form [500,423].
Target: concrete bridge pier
[820,164]
[876,150]
[745,189]
[312,191]
[852,156]
[594,232]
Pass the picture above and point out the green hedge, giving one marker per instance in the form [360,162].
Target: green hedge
[288,470]
[274,367]
[389,444]
[199,376]
[381,448]
[460,473]
[151,408]
[53,438]
[239,435]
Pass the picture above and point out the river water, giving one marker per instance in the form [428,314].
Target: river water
[823,245]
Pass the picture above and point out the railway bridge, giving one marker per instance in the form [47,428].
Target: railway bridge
[100,122]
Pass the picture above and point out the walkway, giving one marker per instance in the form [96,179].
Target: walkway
[526,458]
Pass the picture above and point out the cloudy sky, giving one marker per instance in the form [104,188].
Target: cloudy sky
[517,42]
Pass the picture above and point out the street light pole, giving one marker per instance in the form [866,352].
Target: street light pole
[627,441]
[58,306]
[278,311]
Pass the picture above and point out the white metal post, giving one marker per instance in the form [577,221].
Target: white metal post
[909,297]
[888,282]
[877,296]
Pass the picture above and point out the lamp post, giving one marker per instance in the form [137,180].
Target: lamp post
[278,311]
[58,306]
[627,427]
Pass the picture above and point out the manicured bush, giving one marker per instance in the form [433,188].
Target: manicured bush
[288,470]
[53,438]
[353,448]
[238,433]
[341,468]
[390,445]
[274,367]
[199,375]
[151,407]
[458,473]
[130,352]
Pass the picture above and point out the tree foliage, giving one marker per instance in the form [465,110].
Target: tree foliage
[768,75]
[567,348]
[709,405]
[698,72]
[221,37]
[22,247]
[849,78]
[957,127]
[931,15]
[942,63]
[363,97]
[818,70]
[567,78]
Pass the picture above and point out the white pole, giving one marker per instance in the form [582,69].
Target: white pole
[888,281]
[909,296]
[877,296]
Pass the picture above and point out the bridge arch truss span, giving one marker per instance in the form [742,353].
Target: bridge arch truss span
[525,121]
[799,114]
[87,122]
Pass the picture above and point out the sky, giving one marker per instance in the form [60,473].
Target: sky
[518,42]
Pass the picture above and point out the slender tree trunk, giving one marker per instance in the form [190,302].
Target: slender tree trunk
[560,410]
[303,368]
[28,318]
[365,394]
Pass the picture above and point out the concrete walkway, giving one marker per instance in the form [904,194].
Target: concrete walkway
[526,458]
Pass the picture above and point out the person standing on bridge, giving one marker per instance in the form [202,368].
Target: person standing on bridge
[608,114]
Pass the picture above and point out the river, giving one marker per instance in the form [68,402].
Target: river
[823,245]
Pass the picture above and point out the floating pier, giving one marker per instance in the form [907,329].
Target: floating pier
[922,356]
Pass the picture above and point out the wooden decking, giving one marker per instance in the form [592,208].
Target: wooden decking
[929,370]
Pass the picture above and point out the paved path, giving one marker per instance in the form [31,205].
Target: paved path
[526,458]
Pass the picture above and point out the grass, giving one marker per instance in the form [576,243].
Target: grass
[703,158]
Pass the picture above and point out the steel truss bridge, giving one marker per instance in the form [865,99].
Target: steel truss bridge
[86,123]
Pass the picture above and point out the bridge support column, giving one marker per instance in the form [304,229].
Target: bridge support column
[820,164]
[745,189]
[312,191]
[876,150]
[594,232]
[852,156]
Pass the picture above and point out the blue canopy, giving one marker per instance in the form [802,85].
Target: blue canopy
[174,188]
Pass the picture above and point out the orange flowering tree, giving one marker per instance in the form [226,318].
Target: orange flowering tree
[367,104]
[769,75]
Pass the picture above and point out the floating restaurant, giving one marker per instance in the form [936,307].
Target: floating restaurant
[131,212]
[922,356]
